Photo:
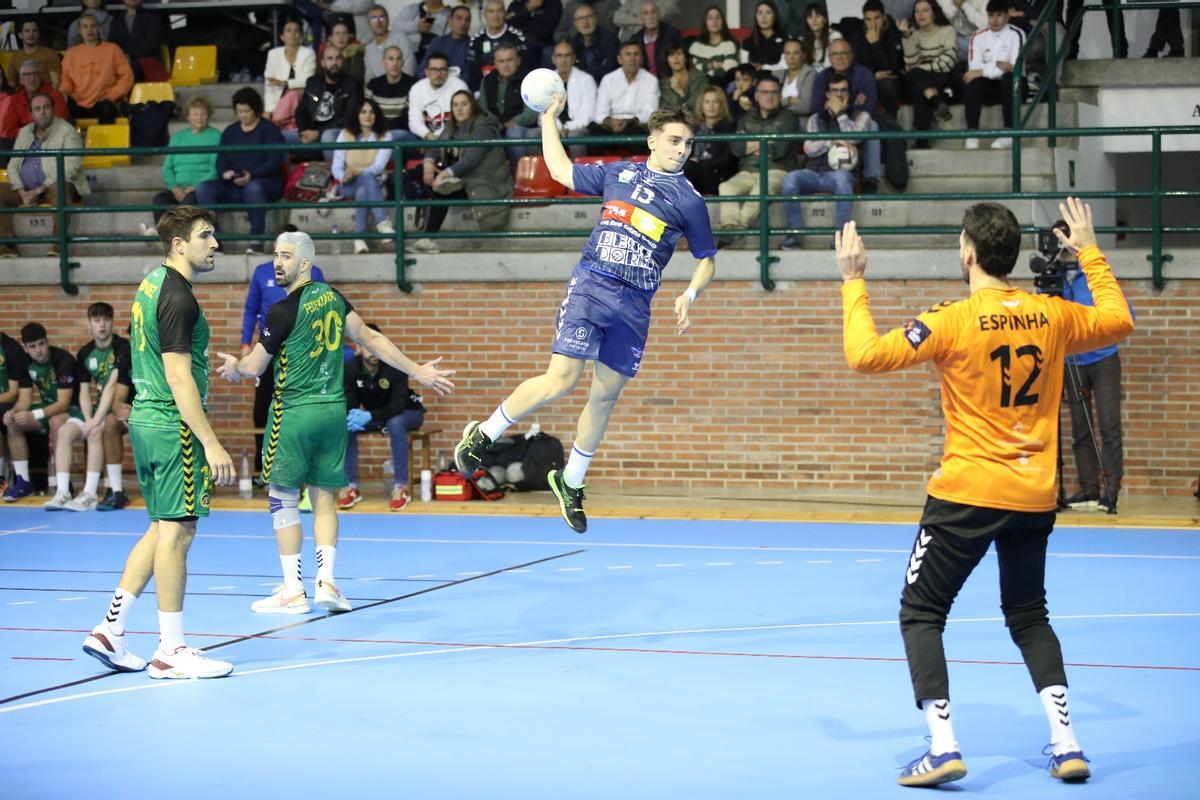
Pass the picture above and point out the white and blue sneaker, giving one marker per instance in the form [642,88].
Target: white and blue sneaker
[1071,766]
[110,650]
[931,770]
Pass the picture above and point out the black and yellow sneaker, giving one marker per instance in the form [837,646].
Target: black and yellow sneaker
[570,501]
[468,454]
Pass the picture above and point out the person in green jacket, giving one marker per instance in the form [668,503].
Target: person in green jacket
[767,116]
[183,172]
[683,83]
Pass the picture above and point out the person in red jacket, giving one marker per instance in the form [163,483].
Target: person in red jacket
[31,82]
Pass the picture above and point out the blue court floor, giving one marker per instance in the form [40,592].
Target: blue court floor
[506,657]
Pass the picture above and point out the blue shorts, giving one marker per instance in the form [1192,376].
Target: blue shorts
[603,319]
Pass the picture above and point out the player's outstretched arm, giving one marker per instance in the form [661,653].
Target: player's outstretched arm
[382,348]
[553,152]
[252,365]
[178,370]
[706,268]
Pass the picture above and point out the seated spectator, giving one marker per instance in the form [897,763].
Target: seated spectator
[422,22]
[183,172]
[288,67]
[16,113]
[681,83]
[764,48]
[30,36]
[818,174]
[141,34]
[741,90]
[537,19]
[247,177]
[33,180]
[95,75]
[817,34]
[96,9]
[966,17]
[627,96]
[580,108]
[863,97]
[879,49]
[711,163]
[628,18]
[360,172]
[656,38]
[993,52]
[595,46]
[768,117]
[495,33]
[378,399]
[480,173]
[454,44]
[14,382]
[353,51]
[604,10]
[429,100]
[715,51]
[500,96]
[383,37]
[797,80]
[930,54]
[318,12]
[328,96]
[390,91]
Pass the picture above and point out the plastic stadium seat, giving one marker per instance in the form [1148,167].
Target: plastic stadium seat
[194,65]
[3,175]
[5,57]
[151,92]
[533,179]
[165,54]
[106,136]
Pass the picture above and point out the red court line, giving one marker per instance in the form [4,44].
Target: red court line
[599,649]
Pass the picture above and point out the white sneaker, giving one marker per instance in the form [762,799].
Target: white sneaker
[109,649]
[329,598]
[425,246]
[58,502]
[971,143]
[187,662]
[1003,143]
[283,601]
[86,501]
[360,247]
[385,227]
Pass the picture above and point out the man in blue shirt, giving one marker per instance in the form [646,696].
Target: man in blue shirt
[605,316]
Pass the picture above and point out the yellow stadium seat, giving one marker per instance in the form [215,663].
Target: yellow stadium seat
[3,175]
[151,92]
[5,57]
[83,123]
[194,66]
[99,136]
[165,53]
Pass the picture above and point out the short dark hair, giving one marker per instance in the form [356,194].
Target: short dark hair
[439,55]
[837,78]
[996,235]
[749,70]
[380,127]
[32,332]
[766,77]
[100,311]
[667,116]
[873,5]
[996,6]
[631,44]
[177,223]
[248,97]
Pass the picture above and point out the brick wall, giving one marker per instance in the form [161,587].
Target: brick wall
[757,396]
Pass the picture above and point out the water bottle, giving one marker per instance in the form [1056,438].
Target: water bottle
[245,486]
[337,243]
[534,430]
[426,485]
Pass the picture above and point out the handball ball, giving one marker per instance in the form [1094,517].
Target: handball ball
[540,87]
[843,155]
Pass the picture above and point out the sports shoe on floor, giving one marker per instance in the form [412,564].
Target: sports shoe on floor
[58,502]
[360,247]
[1082,501]
[327,596]
[791,243]
[350,498]
[1109,503]
[186,662]
[400,499]
[18,489]
[1003,143]
[570,501]
[425,246]
[468,454]
[971,143]
[942,111]
[385,227]
[931,770]
[85,501]
[109,649]
[305,501]
[283,601]
[1070,767]
[113,501]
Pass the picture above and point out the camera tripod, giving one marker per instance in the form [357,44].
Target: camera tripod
[1074,392]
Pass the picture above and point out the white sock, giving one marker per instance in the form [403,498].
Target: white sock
[1062,735]
[170,631]
[114,477]
[22,469]
[497,423]
[118,611]
[62,481]
[291,571]
[577,465]
[91,483]
[325,555]
[937,716]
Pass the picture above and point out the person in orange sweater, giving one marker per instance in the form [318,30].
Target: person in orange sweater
[95,75]
[1000,356]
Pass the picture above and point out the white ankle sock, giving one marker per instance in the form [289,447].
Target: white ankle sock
[497,423]
[114,477]
[1062,735]
[21,468]
[291,571]
[170,630]
[62,481]
[937,716]
[91,483]
[577,466]
[325,555]
[118,611]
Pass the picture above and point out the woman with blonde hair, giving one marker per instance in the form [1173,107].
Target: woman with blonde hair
[711,163]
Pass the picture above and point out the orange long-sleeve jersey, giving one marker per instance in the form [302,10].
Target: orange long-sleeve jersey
[1000,354]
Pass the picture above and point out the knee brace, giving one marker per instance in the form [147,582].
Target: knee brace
[285,506]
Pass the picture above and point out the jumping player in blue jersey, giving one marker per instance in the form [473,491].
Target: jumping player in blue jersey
[605,316]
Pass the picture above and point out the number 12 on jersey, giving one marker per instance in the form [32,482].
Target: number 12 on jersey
[1003,354]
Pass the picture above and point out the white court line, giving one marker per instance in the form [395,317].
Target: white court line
[868,560]
[23,603]
[767,563]
[621,566]
[418,577]
[271,583]
[670,565]
[218,588]
[374,578]
[718,564]
[568,640]
[818,562]
[570,569]
[70,599]
[32,529]
[469,574]
[518,570]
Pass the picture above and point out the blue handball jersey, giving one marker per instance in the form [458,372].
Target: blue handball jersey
[645,212]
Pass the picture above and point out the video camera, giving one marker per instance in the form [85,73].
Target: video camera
[1049,271]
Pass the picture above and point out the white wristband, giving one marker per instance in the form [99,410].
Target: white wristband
[39,414]
[691,294]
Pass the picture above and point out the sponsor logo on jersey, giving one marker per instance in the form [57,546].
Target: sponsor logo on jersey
[642,221]
[916,332]
[384,383]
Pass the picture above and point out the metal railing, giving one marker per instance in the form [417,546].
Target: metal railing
[763,231]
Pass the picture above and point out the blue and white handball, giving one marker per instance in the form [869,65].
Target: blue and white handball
[540,87]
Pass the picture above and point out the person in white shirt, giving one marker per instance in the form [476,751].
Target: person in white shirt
[627,96]
[429,100]
[581,97]
[383,37]
[288,67]
[993,51]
